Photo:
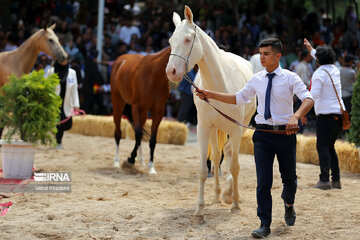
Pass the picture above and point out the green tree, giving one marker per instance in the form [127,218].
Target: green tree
[354,132]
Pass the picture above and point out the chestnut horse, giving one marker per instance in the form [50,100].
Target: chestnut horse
[22,59]
[219,71]
[141,82]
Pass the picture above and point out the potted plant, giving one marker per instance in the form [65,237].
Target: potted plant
[30,111]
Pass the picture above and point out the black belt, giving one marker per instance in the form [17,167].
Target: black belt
[271,127]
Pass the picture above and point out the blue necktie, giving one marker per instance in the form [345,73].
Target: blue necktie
[267,113]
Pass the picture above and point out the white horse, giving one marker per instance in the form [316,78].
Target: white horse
[223,72]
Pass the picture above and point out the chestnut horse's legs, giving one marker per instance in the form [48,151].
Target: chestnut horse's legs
[156,119]
[139,117]
[118,107]
[138,136]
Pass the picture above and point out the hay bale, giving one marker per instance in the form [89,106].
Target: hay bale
[91,125]
[247,145]
[170,132]
[348,156]
[306,149]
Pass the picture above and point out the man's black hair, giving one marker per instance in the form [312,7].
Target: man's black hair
[304,53]
[275,44]
[325,55]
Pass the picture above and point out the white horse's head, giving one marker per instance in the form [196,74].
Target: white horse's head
[186,48]
[49,43]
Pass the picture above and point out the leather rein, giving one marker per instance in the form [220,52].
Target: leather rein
[219,111]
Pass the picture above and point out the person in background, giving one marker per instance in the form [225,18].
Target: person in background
[187,110]
[348,78]
[274,88]
[328,112]
[68,91]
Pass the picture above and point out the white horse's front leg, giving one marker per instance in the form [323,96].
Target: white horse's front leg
[203,134]
[116,159]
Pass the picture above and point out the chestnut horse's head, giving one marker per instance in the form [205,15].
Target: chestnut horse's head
[49,43]
[186,49]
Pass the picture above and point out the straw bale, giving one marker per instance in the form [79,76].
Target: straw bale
[91,125]
[348,156]
[247,145]
[170,132]
[306,149]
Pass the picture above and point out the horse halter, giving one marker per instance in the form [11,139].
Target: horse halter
[187,58]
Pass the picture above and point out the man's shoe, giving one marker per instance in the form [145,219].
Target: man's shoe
[322,185]
[262,232]
[290,215]
[59,146]
[336,184]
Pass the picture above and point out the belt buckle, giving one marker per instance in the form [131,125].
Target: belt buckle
[276,128]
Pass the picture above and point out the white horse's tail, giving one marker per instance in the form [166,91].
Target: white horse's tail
[222,137]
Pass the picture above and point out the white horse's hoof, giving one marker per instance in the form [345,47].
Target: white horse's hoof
[117,164]
[227,197]
[235,208]
[197,219]
[152,171]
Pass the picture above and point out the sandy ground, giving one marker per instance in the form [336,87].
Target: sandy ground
[109,203]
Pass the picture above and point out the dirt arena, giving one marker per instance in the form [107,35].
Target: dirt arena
[109,203]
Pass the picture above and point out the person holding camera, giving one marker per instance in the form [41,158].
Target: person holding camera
[328,112]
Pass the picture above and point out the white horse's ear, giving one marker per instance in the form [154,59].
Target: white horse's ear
[176,19]
[188,14]
[52,27]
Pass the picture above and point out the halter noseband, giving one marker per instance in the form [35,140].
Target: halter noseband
[187,58]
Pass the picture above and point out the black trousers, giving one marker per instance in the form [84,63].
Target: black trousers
[187,111]
[328,129]
[61,128]
[266,146]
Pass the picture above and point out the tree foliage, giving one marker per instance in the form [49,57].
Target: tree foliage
[354,132]
[30,107]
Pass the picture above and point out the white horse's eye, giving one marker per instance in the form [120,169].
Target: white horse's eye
[187,40]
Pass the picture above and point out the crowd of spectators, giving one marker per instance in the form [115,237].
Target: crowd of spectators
[145,26]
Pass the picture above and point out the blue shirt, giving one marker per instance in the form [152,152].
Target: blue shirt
[185,86]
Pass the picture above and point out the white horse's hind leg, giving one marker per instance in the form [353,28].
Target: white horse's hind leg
[215,157]
[203,138]
[116,159]
[234,169]
[227,194]
[140,154]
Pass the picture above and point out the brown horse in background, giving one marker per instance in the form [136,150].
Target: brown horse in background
[141,82]
[22,59]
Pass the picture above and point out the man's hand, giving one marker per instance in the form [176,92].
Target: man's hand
[304,120]
[308,45]
[202,94]
[292,126]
